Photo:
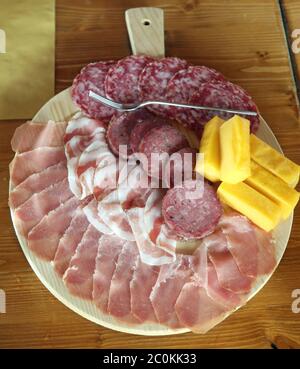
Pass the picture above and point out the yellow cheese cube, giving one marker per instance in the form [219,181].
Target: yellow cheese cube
[274,188]
[210,147]
[235,150]
[275,162]
[258,208]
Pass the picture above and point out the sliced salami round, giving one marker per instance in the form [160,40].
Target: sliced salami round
[121,83]
[157,145]
[120,127]
[155,77]
[192,210]
[142,128]
[92,78]
[221,94]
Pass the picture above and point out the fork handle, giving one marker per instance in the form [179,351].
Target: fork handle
[145,27]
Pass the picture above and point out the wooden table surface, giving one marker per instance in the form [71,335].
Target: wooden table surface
[245,41]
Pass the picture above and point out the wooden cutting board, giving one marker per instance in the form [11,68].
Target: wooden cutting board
[146,35]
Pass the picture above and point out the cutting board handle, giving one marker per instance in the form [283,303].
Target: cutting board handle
[145,27]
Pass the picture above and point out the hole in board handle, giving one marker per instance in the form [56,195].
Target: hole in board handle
[146,22]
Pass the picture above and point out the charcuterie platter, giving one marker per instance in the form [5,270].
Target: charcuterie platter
[121,256]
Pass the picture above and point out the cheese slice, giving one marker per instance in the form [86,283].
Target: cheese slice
[275,162]
[210,148]
[274,188]
[235,150]
[257,207]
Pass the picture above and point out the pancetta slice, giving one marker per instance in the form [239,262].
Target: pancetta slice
[35,183]
[109,250]
[43,239]
[119,302]
[171,279]
[68,243]
[79,275]
[34,161]
[40,204]
[143,280]
[92,214]
[32,135]
[149,252]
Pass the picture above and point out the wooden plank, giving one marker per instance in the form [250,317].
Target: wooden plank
[243,40]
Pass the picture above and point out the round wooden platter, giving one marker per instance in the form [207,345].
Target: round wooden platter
[61,108]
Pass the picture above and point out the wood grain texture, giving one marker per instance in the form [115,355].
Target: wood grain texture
[244,41]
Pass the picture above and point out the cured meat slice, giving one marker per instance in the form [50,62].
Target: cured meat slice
[79,275]
[34,161]
[37,182]
[68,243]
[222,95]
[113,215]
[155,77]
[40,204]
[119,301]
[80,125]
[241,242]
[179,167]
[91,212]
[120,127]
[196,310]
[32,135]
[105,177]
[192,210]
[121,83]
[267,252]
[91,78]
[171,279]
[43,239]
[149,252]
[158,144]
[184,84]
[107,258]
[227,270]
[143,279]
[141,128]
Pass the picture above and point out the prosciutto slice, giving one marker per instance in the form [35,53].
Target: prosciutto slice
[68,243]
[171,279]
[36,183]
[107,257]
[34,161]
[119,302]
[43,239]
[32,135]
[79,275]
[143,280]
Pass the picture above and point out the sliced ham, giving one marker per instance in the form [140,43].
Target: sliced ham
[32,135]
[107,257]
[43,239]
[149,252]
[68,243]
[79,275]
[119,302]
[92,214]
[171,279]
[143,280]
[34,161]
[40,204]
[37,182]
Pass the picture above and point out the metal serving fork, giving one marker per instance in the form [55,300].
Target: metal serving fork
[133,107]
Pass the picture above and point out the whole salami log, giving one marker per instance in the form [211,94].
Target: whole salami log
[92,78]
[121,83]
[192,210]
[157,145]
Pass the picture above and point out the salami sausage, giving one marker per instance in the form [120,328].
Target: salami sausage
[192,210]
[155,77]
[121,83]
[92,78]
[163,141]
